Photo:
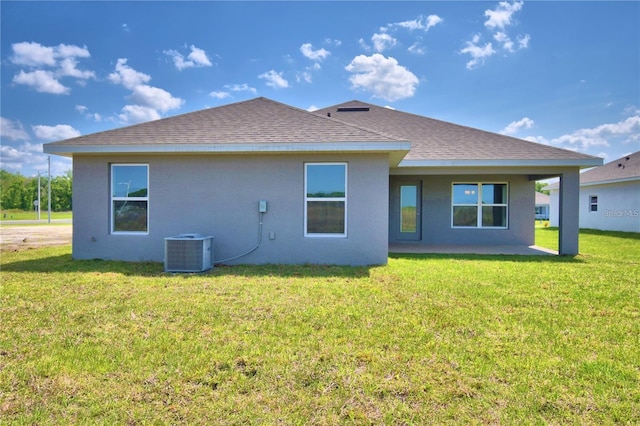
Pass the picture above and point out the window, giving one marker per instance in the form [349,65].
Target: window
[130,198]
[479,205]
[593,203]
[325,207]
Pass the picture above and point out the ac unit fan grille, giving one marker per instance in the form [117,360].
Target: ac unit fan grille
[188,254]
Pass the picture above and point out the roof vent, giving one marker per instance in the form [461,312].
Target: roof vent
[353,109]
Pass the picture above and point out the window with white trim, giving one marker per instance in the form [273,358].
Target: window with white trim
[479,205]
[325,199]
[593,203]
[130,198]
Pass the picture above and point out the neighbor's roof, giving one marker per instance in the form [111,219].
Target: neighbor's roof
[623,169]
[257,125]
[435,142]
[542,198]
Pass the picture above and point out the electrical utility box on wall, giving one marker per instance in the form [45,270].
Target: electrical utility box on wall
[188,253]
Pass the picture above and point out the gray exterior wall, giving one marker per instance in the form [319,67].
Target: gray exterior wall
[436,211]
[218,195]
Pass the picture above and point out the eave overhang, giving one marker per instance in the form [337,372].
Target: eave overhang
[397,150]
[582,163]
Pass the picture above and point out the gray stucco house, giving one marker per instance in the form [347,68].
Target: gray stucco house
[341,184]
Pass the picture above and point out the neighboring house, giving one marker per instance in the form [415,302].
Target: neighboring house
[340,184]
[609,196]
[542,206]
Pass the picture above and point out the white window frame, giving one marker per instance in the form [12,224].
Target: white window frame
[479,205]
[593,204]
[344,199]
[113,199]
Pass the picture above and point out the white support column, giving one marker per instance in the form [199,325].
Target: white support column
[569,215]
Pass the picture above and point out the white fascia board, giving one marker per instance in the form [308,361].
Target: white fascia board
[609,182]
[256,148]
[586,162]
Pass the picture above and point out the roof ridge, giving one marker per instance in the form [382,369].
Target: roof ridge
[354,126]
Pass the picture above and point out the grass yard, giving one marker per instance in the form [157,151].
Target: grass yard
[8,215]
[428,339]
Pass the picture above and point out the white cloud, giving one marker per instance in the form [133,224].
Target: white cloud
[274,79]
[32,54]
[127,76]
[232,88]
[30,156]
[498,20]
[60,59]
[138,114]
[515,126]
[68,69]
[523,41]
[417,48]
[15,158]
[305,76]
[501,16]
[363,44]
[85,111]
[71,51]
[155,98]
[433,20]
[196,58]
[420,23]
[199,57]
[382,76]
[240,88]
[12,130]
[478,53]
[314,55]
[333,42]
[148,100]
[42,81]
[220,94]
[382,42]
[58,132]
[312,108]
[625,131]
[628,130]
[504,39]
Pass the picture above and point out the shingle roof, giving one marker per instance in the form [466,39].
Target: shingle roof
[439,140]
[254,121]
[263,125]
[542,198]
[625,168]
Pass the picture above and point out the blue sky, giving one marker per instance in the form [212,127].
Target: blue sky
[565,74]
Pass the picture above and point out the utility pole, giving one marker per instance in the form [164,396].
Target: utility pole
[49,187]
[38,206]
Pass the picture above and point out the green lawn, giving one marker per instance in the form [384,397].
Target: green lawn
[7,215]
[428,339]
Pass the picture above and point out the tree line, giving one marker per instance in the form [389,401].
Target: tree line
[20,192]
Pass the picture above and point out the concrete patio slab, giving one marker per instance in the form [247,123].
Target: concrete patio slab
[470,249]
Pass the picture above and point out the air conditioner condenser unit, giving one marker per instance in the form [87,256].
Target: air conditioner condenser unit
[188,253]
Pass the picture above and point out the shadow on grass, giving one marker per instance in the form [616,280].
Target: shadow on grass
[488,257]
[65,264]
[613,234]
[597,232]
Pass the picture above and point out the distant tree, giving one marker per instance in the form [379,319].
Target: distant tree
[540,187]
[61,192]
[19,192]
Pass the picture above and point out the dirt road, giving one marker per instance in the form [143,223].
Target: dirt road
[16,237]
